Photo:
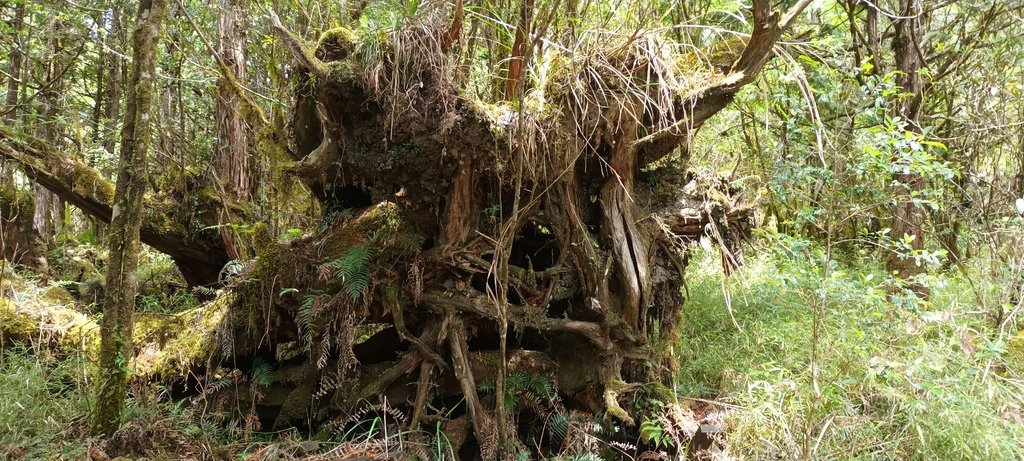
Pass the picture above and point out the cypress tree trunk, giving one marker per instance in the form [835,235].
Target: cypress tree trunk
[231,158]
[908,217]
[119,301]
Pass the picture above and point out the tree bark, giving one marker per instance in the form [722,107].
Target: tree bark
[908,217]
[114,65]
[232,150]
[231,154]
[119,300]
[48,206]
[14,63]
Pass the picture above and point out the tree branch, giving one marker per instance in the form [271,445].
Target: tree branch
[698,106]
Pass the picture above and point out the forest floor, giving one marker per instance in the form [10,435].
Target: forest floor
[802,354]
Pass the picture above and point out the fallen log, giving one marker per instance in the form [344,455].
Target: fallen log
[199,255]
[167,346]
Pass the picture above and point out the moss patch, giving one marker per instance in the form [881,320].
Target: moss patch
[336,44]
[15,324]
[56,294]
[171,344]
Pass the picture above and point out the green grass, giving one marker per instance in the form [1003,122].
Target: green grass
[42,407]
[895,381]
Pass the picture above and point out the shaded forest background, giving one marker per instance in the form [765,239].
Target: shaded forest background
[534,229]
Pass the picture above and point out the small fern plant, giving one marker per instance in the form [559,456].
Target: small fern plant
[520,387]
[306,317]
[353,269]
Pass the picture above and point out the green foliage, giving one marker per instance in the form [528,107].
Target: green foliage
[353,269]
[42,398]
[262,372]
[880,380]
[306,317]
[523,388]
[652,431]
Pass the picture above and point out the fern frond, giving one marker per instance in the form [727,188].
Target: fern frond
[305,318]
[353,269]
[558,423]
[262,372]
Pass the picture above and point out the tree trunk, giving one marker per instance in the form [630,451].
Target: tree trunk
[15,60]
[908,217]
[47,211]
[198,252]
[113,63]
[231,154]
[119,300]
[231,157]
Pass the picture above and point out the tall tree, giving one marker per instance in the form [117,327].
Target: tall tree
[232,149]
[231,152]
[52,72]
[908,216]
[14,62]
[119,300]
[113,64]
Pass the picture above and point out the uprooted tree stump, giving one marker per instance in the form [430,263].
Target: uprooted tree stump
[460,235]
[464,241]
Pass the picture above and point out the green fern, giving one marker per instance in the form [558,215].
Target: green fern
[534,388]
[305,317]
[653,432]
[262,372]
[558,424]
[353,269]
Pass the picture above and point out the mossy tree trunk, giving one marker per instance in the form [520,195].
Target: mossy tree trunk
[119,300]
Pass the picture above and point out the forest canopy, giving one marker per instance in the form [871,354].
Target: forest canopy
[493,229]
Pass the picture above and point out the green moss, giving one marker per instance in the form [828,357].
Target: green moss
[88,182]
[14,200]
[336,44]
[14,323]
[1014,356]
[9,280]
[68,328]
[172,344]
[56,294]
